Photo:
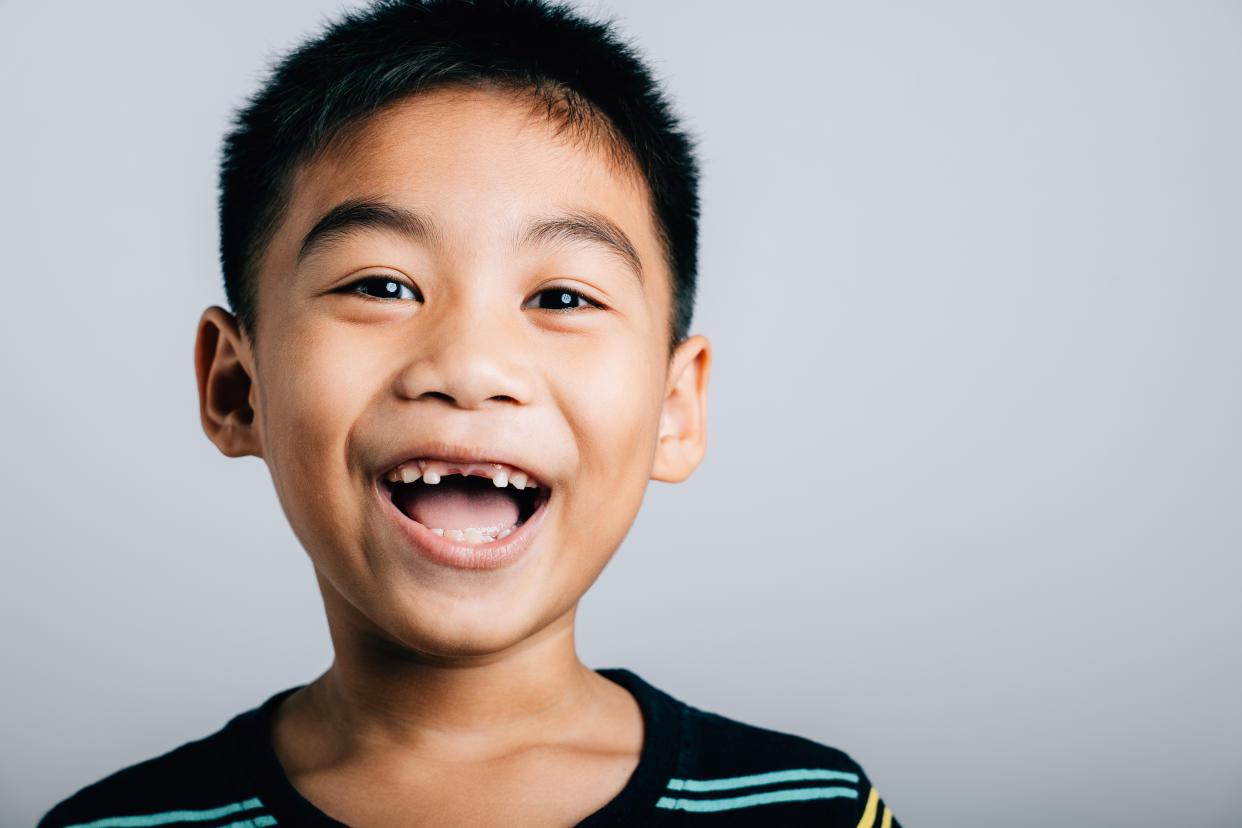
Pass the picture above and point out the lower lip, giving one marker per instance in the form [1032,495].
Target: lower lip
[444,552]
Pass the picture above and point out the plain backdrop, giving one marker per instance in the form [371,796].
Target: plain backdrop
[972,506]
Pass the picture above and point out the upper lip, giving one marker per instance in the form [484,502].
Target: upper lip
[464,454]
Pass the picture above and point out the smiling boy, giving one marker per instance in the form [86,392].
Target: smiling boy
[459,238]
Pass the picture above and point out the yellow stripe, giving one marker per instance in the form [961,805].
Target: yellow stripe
[886,821]
[868,817]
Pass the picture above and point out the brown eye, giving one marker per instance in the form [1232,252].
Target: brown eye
[559,299]
[383,287]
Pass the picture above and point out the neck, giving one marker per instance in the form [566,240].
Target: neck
[378,695]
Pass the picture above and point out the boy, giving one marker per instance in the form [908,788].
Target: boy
[459,238]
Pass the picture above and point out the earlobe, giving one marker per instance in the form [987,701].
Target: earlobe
[682,439]
[223,363]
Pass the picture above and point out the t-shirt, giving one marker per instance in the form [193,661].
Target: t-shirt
[695,768]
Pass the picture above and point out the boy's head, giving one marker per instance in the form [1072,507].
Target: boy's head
[586,83]
[458,237]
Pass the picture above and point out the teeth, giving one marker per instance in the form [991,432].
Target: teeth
[475,536]
[433,471]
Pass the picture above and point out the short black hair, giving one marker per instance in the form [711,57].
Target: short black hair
[584,75]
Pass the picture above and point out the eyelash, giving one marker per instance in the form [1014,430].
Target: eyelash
[561,293]
[384,280]
[573,295]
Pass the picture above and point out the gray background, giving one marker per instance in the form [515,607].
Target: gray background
[972,508]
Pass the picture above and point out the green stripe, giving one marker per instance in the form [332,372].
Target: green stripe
[758,779]
[166,817]
[734,802]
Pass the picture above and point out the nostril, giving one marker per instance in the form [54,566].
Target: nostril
[449,398]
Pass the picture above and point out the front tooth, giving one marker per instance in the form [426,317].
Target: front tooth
[454,534]
[501,479]
[431,477]
[409,474]
[472,536]
[518,480]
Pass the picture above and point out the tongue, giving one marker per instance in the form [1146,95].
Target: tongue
[461,504]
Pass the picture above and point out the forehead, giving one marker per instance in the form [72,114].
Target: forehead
[480,163]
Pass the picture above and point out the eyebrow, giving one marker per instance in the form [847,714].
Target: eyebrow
[353,216]
[585,228]
[576,227]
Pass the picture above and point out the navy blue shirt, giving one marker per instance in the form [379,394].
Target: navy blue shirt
[696,768]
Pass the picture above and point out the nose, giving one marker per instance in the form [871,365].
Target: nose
[467,360]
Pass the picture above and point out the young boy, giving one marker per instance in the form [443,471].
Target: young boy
[459,238]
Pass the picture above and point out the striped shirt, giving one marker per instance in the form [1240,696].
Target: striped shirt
[695,769]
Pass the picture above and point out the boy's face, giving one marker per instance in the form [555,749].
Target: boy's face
[460,345]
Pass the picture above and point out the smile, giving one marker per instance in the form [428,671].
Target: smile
[476,515]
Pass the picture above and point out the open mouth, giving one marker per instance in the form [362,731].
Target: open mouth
[473,503]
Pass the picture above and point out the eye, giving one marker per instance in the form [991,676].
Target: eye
[383,287]
[560,299]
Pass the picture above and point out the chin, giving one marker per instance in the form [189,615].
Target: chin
[465,627]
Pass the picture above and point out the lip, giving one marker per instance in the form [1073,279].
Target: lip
[441,551]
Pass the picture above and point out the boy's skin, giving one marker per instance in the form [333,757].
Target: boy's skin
[456,694]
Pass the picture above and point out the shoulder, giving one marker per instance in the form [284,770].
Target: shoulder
[734,766]
[725,744]
[201,780]
[728,772]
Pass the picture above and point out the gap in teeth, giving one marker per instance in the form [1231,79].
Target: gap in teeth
[433,471]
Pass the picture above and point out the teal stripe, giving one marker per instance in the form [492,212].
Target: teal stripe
[258,822]
[735,802]
[772,778]
[166,817]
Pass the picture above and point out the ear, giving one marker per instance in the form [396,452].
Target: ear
[224,365]
[682,439]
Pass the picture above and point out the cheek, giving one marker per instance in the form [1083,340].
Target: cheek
[614,400]
[313,401]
